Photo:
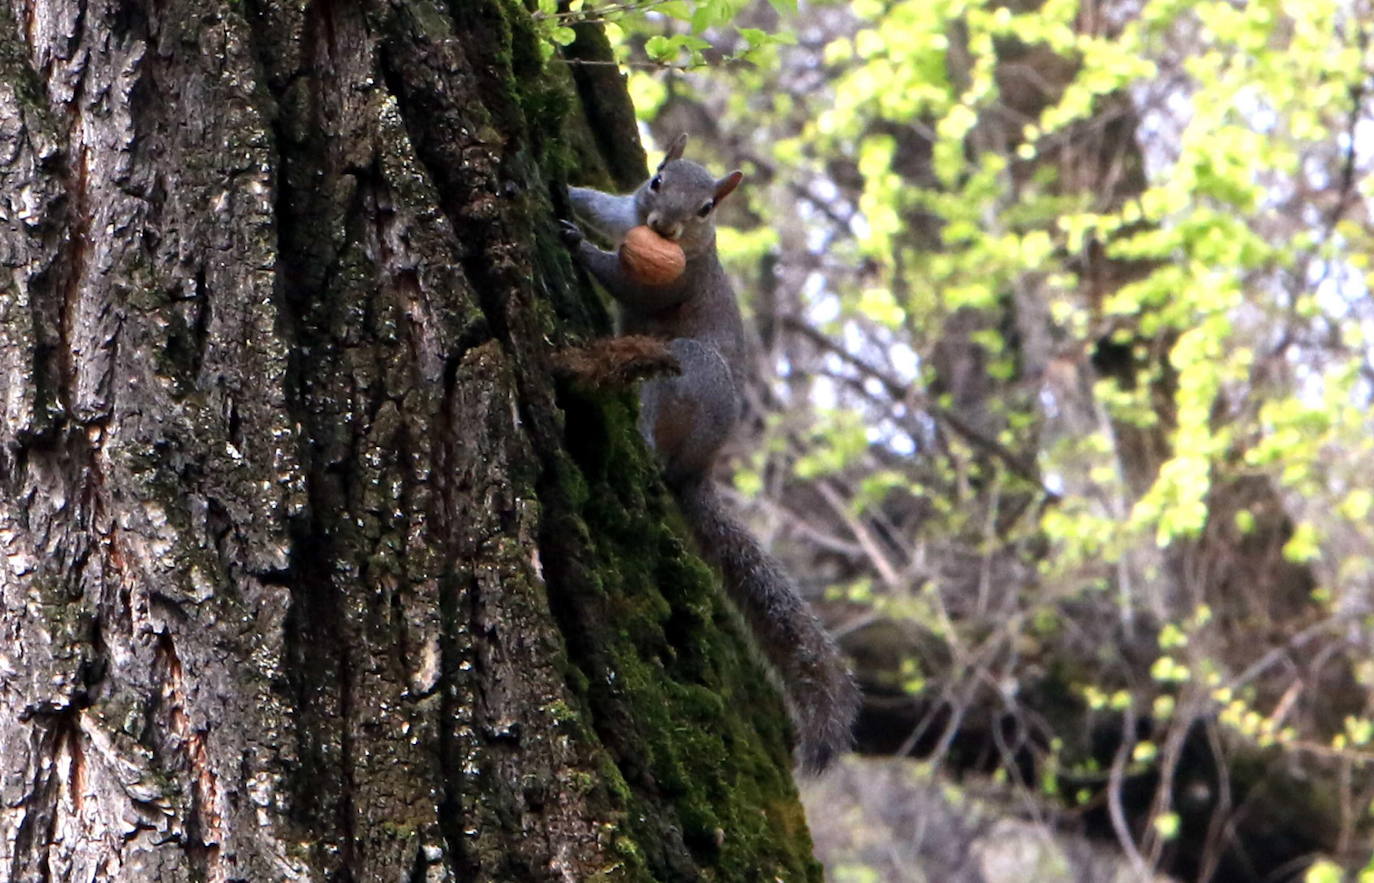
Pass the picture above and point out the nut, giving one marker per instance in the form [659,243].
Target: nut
[649,259]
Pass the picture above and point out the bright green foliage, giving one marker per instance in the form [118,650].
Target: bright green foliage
[673,48]
[1324,871]
[1266,97]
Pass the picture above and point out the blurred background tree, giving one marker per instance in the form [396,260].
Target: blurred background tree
[1064,371]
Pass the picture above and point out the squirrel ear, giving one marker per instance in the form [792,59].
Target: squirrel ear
[675,149]
[725,186]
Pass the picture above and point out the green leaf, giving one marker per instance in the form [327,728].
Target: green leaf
[1324,871]
[660,48]
[678,9]
[1302,545]
[1172,637]
[701,18]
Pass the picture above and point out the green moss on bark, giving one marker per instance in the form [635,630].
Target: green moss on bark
[696,777]
[674,691]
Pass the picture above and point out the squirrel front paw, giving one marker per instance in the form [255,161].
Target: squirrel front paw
[569,233]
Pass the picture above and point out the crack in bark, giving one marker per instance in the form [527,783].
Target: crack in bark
[204,825]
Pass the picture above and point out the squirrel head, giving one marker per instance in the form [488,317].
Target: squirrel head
[679,201]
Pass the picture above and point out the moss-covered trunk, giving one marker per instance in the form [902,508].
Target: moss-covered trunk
[310,570]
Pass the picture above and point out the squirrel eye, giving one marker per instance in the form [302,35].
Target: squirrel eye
[706,209]
[653,184]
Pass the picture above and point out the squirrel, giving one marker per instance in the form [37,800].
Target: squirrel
[687,337]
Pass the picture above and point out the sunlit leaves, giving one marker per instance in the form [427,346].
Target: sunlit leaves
[1176,503]
[1324,871]
[1172,637]
[646,91]
[880,202]
[1106,69]
[670,49]
[847,439]
[1357,504]
[949,149]
[879,305]
[745,246]
[1200,308]
[1303,545]
[675,47]
[1100,700]
[1168,670]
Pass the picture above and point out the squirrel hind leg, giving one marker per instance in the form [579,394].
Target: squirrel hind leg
[688,418]
[617,361]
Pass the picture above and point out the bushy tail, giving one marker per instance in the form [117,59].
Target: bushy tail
[819,689]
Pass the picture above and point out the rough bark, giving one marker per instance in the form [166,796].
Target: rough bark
[310,569]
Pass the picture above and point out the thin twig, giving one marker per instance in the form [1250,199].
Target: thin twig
[1220,827]
[657,65]
[905,392]
[598,13]
[1114,783]
[861,534]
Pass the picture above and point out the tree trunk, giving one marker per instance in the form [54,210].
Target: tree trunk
[311,571]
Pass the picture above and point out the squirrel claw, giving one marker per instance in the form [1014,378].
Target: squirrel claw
[569,233]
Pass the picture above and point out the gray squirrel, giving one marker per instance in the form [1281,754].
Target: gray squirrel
[688,338]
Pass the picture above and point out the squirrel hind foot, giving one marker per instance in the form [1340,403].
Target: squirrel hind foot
[618,361]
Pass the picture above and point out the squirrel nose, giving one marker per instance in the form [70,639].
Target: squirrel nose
[663,228]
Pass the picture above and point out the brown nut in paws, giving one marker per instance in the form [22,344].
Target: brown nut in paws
[649,259]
